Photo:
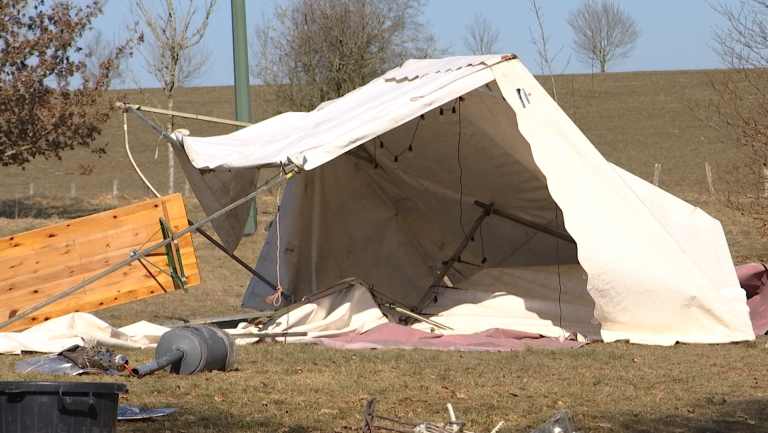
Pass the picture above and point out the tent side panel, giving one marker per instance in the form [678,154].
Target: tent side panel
[644,285]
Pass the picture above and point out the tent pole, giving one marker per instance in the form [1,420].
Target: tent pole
[434,287]
[140,254]
[234,257]
[529,224]
[152,124]
[190,116]
[202,232]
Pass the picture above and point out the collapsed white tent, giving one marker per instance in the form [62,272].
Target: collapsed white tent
[391,173]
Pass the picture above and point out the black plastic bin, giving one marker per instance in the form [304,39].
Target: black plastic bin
[59,407]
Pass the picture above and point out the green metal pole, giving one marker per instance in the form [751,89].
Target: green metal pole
[242,84]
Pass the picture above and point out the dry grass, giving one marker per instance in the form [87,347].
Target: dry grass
[297,388]
[635,119]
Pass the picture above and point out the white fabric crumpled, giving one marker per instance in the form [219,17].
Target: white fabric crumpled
[350,311]
[81,329]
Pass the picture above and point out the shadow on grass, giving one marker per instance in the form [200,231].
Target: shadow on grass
[48,207]
[708,415]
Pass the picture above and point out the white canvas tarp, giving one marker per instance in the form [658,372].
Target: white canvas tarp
[658,270]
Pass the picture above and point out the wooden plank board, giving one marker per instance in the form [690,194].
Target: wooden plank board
[38,265]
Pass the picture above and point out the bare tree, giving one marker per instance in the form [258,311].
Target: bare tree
[541,42]
[604,34]
[738,105]
[99,49]
[175,54]
[481,37]
[49,101]
[311,51]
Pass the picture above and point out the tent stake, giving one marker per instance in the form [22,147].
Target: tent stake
[525,222]
[434,287]
[141,254]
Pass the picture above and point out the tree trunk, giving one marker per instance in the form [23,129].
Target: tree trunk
[170,148]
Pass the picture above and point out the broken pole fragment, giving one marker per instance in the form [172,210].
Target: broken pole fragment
[435,286]
[530,224]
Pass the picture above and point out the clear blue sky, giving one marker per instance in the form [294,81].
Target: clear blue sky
[675,33]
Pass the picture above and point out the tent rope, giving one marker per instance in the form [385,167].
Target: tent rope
[277,298]
[461,170]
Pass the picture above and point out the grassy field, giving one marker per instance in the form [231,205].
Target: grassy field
[635,119]
[614,387]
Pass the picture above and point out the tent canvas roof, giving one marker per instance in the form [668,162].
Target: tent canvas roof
[651,267]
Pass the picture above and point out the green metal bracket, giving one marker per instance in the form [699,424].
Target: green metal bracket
[177,273]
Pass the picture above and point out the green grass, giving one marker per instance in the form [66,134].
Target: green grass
[635,119]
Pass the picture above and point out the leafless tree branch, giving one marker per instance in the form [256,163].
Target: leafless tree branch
[738,105]
[604,34]
[541,41]
[175,54]
[481,37]
[311,51]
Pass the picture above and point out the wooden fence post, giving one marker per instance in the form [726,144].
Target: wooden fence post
[114,187]
[32,188]
[709,178]
[765,180]
[656,174]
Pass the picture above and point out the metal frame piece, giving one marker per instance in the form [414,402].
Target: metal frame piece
[174,263]
[415,316]
[290,171]
[134,109]
[530,224]
[188,115]
[434,287]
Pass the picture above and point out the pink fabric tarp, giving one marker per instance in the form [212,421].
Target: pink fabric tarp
[391,335]
[754,280]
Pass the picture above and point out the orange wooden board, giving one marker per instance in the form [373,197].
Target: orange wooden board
[38,265]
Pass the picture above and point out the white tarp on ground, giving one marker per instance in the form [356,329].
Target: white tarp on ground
[350,311]
[659,270]
[80,329]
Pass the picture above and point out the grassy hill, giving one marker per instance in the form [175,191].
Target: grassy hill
[635,119]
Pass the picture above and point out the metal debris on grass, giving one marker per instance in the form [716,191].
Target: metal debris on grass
[560,423]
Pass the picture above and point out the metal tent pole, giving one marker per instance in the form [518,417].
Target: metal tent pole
[529,224]
[192,116]
[202,232]
[232,256]
[277,181]
[434,287]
